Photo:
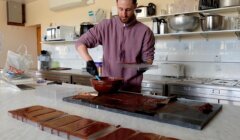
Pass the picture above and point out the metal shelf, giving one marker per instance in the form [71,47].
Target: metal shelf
[219,10]
[214,62]
[56,42]
[204,34]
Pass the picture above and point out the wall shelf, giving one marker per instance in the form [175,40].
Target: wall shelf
[217,10]
[204,34]
[60,42]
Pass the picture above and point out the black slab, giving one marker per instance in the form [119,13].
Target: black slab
[183,112]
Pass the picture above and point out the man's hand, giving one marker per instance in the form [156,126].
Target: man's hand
[91,68]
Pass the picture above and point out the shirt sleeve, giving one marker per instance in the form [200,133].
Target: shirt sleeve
[93,37]
[148,46]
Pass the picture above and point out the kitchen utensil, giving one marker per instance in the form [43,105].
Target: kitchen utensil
[84,27]
[183,22]
[212,22]
[107,84]
[138,66]
[97,77]
[163,29]
[60,68]
[227,3]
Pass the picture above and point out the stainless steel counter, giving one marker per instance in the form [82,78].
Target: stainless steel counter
[212,90]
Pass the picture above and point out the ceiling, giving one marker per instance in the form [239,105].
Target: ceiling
[21,1]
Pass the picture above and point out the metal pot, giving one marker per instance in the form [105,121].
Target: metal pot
[226,3]
[183,22]
[212,22]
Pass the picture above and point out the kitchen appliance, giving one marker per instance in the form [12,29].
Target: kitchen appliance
[141,11]
[212,22]
[44,60]
[85,26]
[228,3]
[208,4]
[155,26]
[171,70]
[151,9]
[183,22]
[59,32]
[163,26]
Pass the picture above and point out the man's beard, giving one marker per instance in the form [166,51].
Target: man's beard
[127,20]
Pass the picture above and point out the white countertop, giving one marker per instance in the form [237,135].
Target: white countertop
[224,126]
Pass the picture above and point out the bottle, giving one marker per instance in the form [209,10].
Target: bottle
[163,26]
[155,26]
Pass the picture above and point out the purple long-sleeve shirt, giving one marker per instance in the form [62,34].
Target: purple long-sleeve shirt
[122,43]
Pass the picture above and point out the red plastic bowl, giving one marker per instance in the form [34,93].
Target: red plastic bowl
[107,84]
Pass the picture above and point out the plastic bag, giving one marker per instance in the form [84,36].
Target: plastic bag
[17,63]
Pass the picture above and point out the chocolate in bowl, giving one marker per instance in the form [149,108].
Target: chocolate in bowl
[107,84]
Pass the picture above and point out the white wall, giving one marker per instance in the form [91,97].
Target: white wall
[219,57]
[13,36]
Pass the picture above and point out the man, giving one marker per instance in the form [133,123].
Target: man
[124,40]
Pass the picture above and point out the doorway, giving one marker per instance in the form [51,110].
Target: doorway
[39,46]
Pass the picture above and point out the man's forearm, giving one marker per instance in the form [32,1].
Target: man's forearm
[83,51]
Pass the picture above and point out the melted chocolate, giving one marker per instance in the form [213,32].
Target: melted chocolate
[91,129]
[72,127]
[145,136]
[61,121]
[83,128]
[119,134]
[48,116]
[129,102]
[32,114]
[20,112]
